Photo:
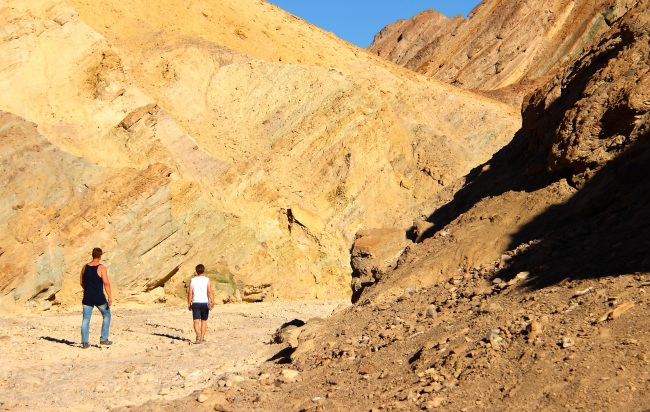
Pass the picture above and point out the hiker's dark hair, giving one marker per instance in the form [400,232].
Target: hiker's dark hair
[97,253]
[200,268]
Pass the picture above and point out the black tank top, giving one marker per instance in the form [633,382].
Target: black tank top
[93,287]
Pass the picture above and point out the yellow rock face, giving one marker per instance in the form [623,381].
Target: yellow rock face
[195,128]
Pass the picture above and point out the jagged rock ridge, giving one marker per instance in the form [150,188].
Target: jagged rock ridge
[501,43]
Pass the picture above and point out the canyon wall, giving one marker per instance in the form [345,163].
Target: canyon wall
[172,142]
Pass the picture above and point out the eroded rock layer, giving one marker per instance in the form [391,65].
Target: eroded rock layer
[209,138]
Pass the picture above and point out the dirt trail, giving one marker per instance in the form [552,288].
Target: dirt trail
[44,368]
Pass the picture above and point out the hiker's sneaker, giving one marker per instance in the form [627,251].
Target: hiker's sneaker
[198,340]
[105,342]
[85,345]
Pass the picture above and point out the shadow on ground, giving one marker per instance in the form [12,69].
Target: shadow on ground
[603,230]
[283,356]
[165,335]
[56,340]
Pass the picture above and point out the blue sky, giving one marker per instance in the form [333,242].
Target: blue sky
[357,21]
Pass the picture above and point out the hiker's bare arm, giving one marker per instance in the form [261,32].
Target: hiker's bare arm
[210,295]
[81,278]
[189,297]
[103,272]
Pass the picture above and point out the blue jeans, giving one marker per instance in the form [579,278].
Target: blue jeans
[85,323]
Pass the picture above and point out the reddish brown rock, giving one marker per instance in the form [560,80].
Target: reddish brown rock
[375,252]
[501,43]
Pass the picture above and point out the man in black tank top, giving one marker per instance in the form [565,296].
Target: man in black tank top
[94,280]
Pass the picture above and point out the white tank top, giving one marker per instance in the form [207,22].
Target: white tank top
[199,285]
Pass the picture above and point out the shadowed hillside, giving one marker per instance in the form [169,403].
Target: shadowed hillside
[587,126]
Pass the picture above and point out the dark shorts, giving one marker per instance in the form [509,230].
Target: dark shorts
[200,311]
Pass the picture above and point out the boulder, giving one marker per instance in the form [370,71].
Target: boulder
[375,252]
[288,333]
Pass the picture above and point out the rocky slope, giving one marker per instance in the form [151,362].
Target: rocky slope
[571,178]
[500,44]
[580,346]
[211,133]
[529,289]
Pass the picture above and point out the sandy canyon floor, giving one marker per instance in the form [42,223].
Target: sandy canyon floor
[44,368]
